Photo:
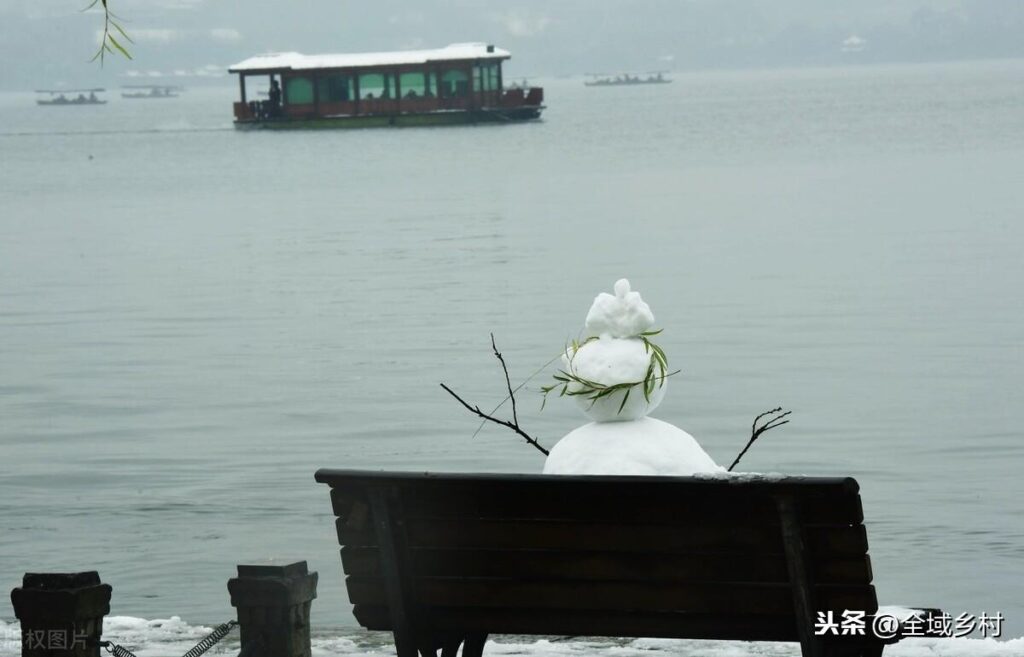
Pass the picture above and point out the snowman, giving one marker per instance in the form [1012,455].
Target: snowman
[617,376]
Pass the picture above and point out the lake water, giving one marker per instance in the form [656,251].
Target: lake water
[194,319]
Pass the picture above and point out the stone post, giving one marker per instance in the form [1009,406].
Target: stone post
[273,602]
[61,614]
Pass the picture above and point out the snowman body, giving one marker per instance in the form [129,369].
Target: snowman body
[645,446]
[617,358]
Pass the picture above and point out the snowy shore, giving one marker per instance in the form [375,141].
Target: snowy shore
[168,637]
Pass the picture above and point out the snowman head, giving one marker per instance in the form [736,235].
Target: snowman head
[615,374]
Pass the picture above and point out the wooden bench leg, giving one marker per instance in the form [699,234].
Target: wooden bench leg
[804,604]
[450,645]
[405,645]
[451,648]
[853,650]
[874,649]
[474,645]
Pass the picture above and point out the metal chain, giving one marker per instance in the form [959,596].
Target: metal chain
[215,637]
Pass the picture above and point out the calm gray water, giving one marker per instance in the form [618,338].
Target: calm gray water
[193,320]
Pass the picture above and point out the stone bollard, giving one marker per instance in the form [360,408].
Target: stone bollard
[61,614]
[273,603]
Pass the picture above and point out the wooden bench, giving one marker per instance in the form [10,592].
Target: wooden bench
[446,559]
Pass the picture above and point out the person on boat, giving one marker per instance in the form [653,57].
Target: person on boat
[275,97]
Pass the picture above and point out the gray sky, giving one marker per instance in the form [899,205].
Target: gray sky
[48,42]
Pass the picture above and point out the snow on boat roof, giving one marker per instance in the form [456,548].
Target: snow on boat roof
[298,61]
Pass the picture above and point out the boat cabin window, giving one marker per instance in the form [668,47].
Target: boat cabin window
[493,76]
[376,85]
[335,88]
[486,77]
[418,84]
[298,91]
[454,84]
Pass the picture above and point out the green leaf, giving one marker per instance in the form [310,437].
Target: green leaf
[123,33]
[110,37]
[625,398]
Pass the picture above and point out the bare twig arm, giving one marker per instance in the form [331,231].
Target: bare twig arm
[756,431]
[508,383]
[513,426]
[515,390]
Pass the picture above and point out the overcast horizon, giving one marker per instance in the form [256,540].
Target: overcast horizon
[49,42]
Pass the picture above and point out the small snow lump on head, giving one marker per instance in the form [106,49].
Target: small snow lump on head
[623,315]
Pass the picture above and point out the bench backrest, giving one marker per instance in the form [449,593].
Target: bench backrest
[675,557]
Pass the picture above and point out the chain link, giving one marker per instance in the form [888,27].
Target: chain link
[215,637]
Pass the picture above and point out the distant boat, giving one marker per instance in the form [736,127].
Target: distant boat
[461,83]
[148,91]
[59,97]
[627,79]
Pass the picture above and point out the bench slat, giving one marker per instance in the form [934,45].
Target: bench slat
[519,534]
[743,598]
[594,623]
[600,565]
[559,484]
[830,505]
[719,627]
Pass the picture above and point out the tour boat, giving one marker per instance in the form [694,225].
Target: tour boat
[627,79]
[150,91]
[460,83]
[59,97]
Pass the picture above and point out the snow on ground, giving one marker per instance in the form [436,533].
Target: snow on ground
[173,637]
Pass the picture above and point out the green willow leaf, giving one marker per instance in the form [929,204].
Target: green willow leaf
[118,46]
[625,398]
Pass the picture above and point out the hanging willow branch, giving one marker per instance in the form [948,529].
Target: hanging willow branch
[514,424]
[774,420]
[109,42]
